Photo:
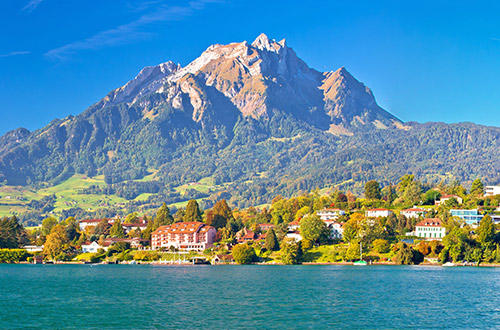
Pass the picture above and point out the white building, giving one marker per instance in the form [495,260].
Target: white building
[330,214]
[375,213]
[491,190]
[293,226]
[430,229]
[414,212]
[445,198]
[92,247]
[337,230]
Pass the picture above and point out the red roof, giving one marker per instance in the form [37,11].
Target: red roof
[294,223]
[431,222]
[183,228]
[413,210]
[450,196]
[93,220]
[330,210]
[378,210]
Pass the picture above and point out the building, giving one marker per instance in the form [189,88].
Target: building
[430,229]
[33,248]
[375,213]
[82,224]
[491,190]
[445,198]
[248,237]
[337,230]
[190,236]
[471,217]
[128,227]
[92,247]
[266,226]
[293,226]
[414,212]
[330,214]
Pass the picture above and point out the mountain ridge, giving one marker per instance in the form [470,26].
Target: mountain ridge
[251,116]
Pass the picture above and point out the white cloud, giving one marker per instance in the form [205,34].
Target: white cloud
[129,32]
[31,5]
[15,53]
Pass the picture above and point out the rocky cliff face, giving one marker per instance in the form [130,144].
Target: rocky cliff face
[231,95]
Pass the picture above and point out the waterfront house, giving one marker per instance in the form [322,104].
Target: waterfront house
[33,248]
[330,214]
[413,212]
[188,236]
[431,229]
[223,259]
[375,213]
[92,247]
[337,230]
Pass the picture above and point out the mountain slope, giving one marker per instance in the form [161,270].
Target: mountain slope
[253,117]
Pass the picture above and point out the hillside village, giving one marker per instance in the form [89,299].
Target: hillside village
[409,223]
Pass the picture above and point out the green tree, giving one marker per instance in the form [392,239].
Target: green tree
[455,243]
[314,229]
[372,190]
[353,251]
[271,243]
[381,246]
[48,224]
[102,228]
[477,188]
[163,217]
[56,243]
[407,255]
[193,213]
[290,252]
[243,253]
[116,229]
[486,232]
[12,234]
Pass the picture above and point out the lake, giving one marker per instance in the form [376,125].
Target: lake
[248,297]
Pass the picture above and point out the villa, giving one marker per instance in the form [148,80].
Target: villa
[330,214]
[414,212]
[445,198]
[430,229]
[375,213]
[471,217]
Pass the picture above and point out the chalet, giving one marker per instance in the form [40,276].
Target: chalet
[92,247]
[375,213]
[445,198]
[330,214]
[223,259]
[189,236]
[414,212]
[249,236]
[430,229]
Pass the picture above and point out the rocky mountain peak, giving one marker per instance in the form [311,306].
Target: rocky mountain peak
[264,43]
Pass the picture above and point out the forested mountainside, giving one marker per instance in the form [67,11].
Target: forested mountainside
[253,119]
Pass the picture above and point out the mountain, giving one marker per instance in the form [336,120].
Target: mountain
[254,120]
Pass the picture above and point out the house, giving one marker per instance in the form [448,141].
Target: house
[33,248]
[92,247]
[82,224]
[445,198]
[491,190]
[266,226]
[295,235]
[136,243]
[337,230]
[430,229]
[249,236]
[223,259]
[471,217]
[293,226]
[330,214]
[128,227]
[375,213]
[189,236]
[414,212]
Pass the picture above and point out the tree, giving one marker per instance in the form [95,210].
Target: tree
[271,243]
[56,243]
[162,218]
[48,224]
[486,232]
[314,229]
[381,246]
[116,229]
[290,252]
[407,256]
[372,190]
[353,251]
[477,188]
[193,213]
[12,234]
[102,228]
[243,253]
[219,215]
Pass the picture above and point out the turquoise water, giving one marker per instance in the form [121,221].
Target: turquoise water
[248,297]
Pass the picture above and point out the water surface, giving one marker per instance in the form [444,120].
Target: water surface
[248,297]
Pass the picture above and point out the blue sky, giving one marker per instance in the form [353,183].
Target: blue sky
[424,60]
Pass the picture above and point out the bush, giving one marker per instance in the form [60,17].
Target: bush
[13,255]
[381,246]
[243,253]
